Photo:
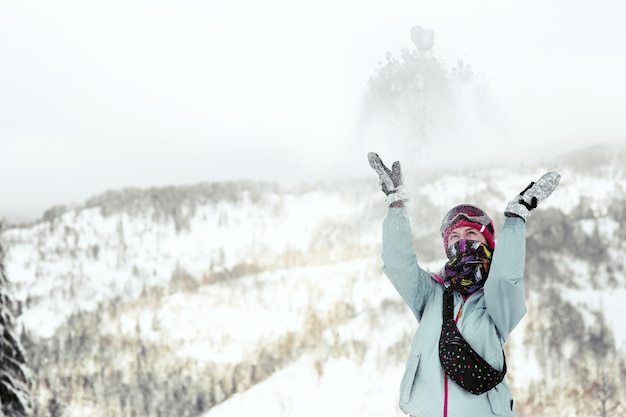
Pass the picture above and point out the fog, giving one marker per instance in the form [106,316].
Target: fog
[102,96]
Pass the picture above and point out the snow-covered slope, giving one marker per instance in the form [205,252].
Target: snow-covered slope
[84,258]
[281,290]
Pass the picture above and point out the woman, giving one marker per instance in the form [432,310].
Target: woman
[456,365]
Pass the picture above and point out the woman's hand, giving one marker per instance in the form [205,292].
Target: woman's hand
[390,180]
[532,195]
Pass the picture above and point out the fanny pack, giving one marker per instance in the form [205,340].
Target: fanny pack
[460,362]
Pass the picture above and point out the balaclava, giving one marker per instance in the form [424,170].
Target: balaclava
[468,260]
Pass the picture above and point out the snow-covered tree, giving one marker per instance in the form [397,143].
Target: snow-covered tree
[15,377]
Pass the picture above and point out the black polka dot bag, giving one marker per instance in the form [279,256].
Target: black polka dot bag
[462,363]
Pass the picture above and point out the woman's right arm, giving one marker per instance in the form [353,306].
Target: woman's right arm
[414,284]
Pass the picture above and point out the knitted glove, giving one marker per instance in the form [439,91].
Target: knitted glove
[532,195]
[390,180]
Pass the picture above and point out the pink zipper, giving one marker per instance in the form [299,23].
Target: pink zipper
[445,395]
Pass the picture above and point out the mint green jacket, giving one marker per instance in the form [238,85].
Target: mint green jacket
[489,316]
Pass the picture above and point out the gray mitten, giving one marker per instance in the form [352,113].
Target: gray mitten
[390,179]
[532,195]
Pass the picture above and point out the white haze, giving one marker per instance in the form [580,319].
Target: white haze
[97,96]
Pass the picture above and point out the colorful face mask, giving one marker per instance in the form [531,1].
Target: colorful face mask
[468,266]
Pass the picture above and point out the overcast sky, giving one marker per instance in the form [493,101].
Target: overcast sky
[105,95]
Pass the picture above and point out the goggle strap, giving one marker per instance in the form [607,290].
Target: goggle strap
[475,219]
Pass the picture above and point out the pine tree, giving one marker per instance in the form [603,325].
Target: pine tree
[605,391]
[15,377]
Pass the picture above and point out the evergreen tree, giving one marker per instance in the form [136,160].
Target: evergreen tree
[15,377]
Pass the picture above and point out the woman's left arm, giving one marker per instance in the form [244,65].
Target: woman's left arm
[504,288]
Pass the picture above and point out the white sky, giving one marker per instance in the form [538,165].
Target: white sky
[104,95]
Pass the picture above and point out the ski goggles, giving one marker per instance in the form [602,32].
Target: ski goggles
[467,212]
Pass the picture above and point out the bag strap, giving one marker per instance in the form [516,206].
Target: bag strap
[448,304]
[448,313]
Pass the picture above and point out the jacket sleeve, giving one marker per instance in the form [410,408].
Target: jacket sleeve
[504,288]
[414,284]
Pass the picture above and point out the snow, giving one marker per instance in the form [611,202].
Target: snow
[608,302]
[344,389]
[84,258]
[237,314]
[135,252]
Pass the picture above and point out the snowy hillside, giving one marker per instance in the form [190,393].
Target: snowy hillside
[248,298]
[84,257]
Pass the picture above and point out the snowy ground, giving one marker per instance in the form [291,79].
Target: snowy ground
[344,389]
[86,257]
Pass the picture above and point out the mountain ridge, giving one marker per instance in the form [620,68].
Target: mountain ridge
[297,267]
